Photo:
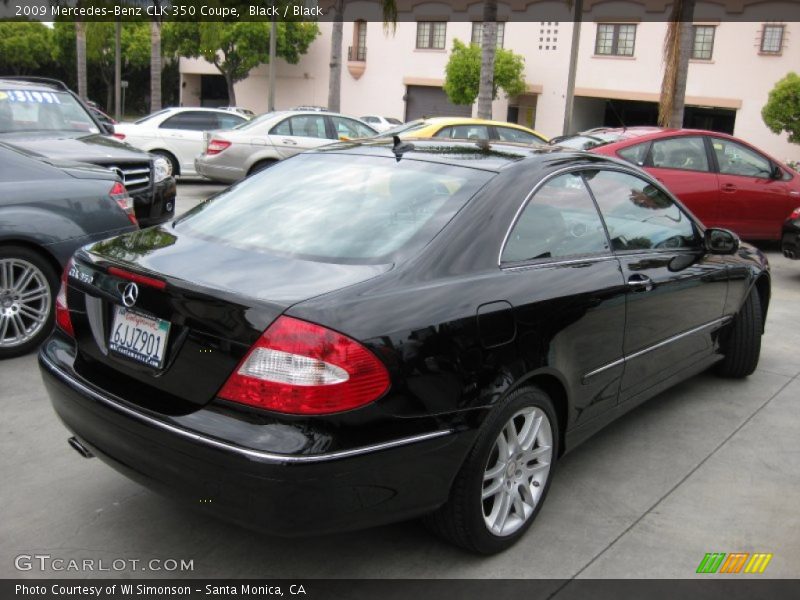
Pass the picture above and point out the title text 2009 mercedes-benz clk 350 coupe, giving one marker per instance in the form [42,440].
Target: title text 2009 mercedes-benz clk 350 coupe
[377,331]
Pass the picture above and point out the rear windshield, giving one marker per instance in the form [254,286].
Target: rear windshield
[338,208]
[24,110]
[406,128]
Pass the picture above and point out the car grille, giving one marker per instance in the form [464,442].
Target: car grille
[136,177]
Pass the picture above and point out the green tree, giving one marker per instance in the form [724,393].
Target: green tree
[236,48]
[782,110]
[463,73]
[25,46]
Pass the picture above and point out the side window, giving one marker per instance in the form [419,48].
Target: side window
[229,121]
[509,134]
[464,132]
[559,221]
[371,120]
[687,153]
[192,121]
[638,215]
[735,159]
[634,154]
[350,128]
[302,125]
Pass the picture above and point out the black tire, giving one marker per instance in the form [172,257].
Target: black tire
[742,343]
[173,162]
[9,307]
[260,166]
[461,520]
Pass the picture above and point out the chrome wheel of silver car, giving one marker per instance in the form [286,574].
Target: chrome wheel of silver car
[25,301]
[516,472]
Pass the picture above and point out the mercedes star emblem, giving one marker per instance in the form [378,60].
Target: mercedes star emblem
[130,294]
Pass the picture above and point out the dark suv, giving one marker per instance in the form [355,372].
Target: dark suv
[45,117]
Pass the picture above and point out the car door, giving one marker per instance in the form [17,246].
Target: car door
[682,164]
[299,133]
[753,202]
[568,292]
[182,134]
[676,291]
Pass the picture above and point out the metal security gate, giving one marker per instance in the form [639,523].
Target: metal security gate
[429,101]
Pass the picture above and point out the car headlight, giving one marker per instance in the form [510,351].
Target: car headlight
[161,169]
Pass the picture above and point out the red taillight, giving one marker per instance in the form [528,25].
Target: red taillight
[63,319]
[136,278]
[217,146]
[795,213]
[300,368]
[119,136]
[120,195]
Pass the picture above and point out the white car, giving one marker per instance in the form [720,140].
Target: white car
[234,154]
[177,133]
[381,123]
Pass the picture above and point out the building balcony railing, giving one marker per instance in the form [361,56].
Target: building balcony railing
[357,53]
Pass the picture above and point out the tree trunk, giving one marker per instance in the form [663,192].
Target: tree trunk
[80,57]
[677,51]
[155,66]
[569,103]
[488,51]
[335,77]
[231,91]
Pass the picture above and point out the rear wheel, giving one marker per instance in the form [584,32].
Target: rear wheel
[504,480]
[260,166]
[28,284]
[743,343]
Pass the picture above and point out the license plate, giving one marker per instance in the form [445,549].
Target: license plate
[138,336]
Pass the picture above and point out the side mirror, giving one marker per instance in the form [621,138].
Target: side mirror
[721,241]
[777,172]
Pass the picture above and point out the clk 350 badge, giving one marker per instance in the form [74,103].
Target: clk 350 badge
[81,275]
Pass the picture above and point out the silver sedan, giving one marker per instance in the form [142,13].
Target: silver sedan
[234,154]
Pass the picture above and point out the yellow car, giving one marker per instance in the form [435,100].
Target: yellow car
[465,128]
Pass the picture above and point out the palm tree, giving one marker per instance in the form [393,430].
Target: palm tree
[155,65]
[488,51]
[80,57]
[677,50]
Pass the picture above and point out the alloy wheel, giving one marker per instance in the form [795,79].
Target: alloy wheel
[25,301]
[516,471]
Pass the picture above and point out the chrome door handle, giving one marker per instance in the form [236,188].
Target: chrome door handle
[640,283]
[290,142]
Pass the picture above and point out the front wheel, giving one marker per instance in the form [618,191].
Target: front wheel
[504,480]
[742,345]
[27,290]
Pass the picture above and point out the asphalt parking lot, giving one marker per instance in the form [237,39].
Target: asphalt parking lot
[712,465]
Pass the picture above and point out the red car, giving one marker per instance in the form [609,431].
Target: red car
[724,181]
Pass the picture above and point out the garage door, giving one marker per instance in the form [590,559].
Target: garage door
[428,101]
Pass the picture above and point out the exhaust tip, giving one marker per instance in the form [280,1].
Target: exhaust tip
[80,448]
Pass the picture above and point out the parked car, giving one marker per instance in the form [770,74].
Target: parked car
[725,181]
[790,235]
[464,128]
[234,154]
[381,123]
[44,117]
[177,134]
[395,331]
[47,211]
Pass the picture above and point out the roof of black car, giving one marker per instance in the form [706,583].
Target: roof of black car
[489,156]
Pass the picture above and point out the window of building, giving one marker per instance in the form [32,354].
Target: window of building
[477,34]
[615,39]
[431,34]
[772,39]
[358,51]
[703,46]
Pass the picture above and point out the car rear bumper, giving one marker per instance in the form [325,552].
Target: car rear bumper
[218,172]
[158,206]
[286,495]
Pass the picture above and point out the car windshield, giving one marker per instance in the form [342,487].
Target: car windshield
[24,110]
[338,207]
[255,122]
[406,128]
[587,141]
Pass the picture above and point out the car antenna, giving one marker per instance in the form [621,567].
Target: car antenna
[399,146]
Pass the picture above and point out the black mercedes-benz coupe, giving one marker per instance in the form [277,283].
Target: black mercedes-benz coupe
[377,331]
